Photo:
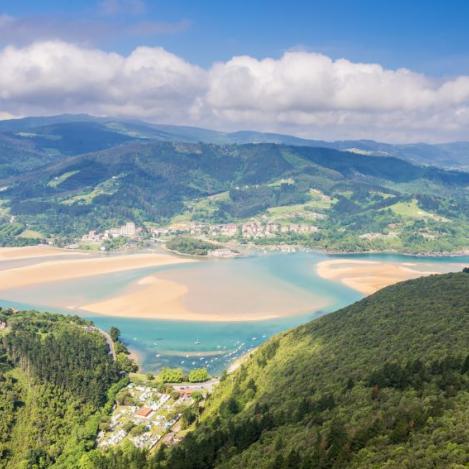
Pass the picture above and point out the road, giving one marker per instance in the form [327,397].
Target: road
[107,337]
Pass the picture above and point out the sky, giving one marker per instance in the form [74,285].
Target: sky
[388,70]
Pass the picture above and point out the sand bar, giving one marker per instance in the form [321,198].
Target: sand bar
[367,276]
[31,252]
[56,270]
[159,298]
[155,297]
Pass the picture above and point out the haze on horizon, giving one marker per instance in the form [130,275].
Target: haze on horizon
[326,76]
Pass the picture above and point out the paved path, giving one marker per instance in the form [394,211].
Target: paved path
[109,341]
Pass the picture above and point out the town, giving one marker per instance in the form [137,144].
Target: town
[244,232]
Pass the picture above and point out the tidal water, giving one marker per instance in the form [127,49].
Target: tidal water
[215,345]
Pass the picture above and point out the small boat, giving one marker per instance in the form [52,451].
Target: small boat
[196,342]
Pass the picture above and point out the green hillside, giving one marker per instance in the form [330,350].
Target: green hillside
[56,381]
[350,199]
[383,383]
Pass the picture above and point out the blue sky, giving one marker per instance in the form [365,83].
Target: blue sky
[390,70]
[426,36]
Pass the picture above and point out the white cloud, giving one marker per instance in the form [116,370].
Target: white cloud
[303,93]
[54,76]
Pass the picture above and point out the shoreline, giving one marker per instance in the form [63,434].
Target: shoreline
[332,252]
[8,252]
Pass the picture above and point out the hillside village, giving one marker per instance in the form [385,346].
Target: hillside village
[244,232]
[147,414]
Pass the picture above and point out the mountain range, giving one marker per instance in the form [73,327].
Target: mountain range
[40,133]
[65,175]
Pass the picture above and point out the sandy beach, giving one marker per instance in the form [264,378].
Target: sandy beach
[367,276]
[57,270]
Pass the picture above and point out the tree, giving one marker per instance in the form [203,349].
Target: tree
[171,375]
[114,333]
[198,375]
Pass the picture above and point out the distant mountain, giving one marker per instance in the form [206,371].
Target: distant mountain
[355,202]
[381,383]
[55,134]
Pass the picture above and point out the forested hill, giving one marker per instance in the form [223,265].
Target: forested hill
[56,379]
[382,383]
[354,202]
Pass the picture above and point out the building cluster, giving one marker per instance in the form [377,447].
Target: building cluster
[252,229]
[155,412]
[230,230]
[248,230]
[129,230]
[270,230]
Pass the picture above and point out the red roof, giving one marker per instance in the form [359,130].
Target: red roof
[144,412]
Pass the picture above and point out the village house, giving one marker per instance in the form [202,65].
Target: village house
[144,412]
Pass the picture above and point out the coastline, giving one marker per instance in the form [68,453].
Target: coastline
[259,248]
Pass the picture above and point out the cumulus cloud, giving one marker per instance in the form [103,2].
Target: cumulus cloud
[54,76]
[301,92]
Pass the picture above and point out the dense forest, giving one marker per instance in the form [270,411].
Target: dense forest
[57,378]
[67,178]
[191,246]
[382,383]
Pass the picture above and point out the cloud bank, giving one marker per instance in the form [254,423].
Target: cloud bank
[304,93]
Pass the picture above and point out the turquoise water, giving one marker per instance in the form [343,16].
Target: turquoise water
[212,344]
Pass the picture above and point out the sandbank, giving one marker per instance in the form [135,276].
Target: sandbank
[35,251]
[153,297]
[57,270]
[367,276]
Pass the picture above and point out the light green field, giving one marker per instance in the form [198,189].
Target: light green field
[412,210]
[107,187]
[60,179]
[204,207]
[278,183]
[31,234]
[307,212]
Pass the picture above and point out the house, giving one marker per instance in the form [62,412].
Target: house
[186,393]
[144,412]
